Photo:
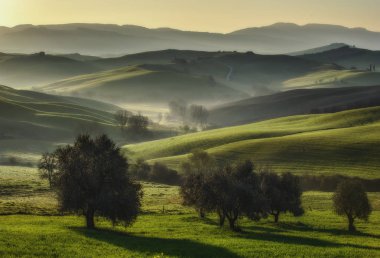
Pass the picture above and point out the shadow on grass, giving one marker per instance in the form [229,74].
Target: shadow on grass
[205,220]
[153,245]
[334,231]
[267,234]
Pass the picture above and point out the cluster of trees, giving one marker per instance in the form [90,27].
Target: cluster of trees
[329,183]
[127,121]
[158,173]
[90,178]
[236,191]
[193,114]
[373,102]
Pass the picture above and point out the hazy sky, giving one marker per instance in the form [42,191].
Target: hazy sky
[200,15]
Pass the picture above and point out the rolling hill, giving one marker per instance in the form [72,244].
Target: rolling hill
[32,122]
[293,102]
[318,49]
[333,78]
[25,71]
[348,57]
[107,39]
[187,75]
[346,143]
[145,83]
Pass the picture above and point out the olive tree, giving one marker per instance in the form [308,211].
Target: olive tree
[92,180]
[283,193]
[351,200]
[231,192]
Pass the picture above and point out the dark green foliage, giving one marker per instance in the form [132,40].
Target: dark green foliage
[137,124]
[283,193]
[199,162]
[162,174]
[193,193]
[140,170]
[232,192]
[329,183]
[350,199]
[92,180]
[235,192]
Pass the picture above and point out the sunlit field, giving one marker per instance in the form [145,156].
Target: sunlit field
[33,227]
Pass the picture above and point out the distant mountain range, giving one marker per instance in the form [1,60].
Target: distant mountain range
[108,39]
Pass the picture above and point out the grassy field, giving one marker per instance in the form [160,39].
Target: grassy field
[167,229]
[346,143]
[146,84]
[335,78]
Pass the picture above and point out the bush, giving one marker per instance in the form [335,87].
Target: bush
[162,174]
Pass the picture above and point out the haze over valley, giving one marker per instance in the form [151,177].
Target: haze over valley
[189,129]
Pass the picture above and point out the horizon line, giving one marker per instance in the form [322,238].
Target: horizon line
[186,30]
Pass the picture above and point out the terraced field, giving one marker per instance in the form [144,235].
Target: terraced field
[346,143]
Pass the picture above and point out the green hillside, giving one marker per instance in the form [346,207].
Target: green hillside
[248,72]
[145,83]
[294,102]
[31,122]
[336,78]
[25,71]
[346,142]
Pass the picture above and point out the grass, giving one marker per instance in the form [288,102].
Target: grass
[32,122]
[326,78]
[167,229]
[346,143]
[145,84]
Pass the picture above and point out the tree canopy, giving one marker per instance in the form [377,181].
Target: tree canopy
[351,200]
[92,179]
[283,193]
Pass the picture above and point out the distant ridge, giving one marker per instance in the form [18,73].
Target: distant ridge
[109,39]
[318,49]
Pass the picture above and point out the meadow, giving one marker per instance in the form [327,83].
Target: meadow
[344,143]
[31,226]
[334,78]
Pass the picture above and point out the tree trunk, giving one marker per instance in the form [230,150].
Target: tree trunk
[90,218]
[202,214]
[222,218]
[231,222]
[351,226]
[232,218]
[276,217]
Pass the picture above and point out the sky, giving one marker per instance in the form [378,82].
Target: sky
[196,15]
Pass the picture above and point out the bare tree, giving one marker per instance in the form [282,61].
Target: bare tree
[47,166]
[121,117]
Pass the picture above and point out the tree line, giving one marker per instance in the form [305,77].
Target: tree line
[196,115]
[93,178]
